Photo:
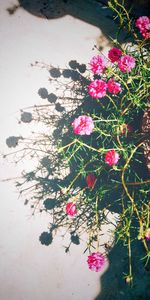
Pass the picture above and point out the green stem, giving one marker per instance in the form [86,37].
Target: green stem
[97,222]
[100,150]
[130,257]
[138,183]
[76,177]
[127,15]
[130,197]
[103,120]
[66,146]
[116,75]
[111,101]
[73,153]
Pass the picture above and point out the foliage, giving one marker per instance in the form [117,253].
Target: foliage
[100,140]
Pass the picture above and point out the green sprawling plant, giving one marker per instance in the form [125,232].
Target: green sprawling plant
[101,141]
[107,147]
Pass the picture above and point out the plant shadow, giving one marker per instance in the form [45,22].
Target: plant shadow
[113,287]
[93,12]
[44,187]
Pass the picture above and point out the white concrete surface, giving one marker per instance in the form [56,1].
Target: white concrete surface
[29,270]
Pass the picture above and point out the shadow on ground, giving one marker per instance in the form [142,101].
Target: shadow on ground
[94,12]
[44,186]
[113,287]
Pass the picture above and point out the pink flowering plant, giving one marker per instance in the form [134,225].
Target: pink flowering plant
[101,142]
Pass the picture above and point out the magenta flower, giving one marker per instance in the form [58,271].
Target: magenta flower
[97,88]
[71,209]
[83,125]
[96,261]
[143,24]
[147,234]
[114,54]
[90,180]
[126,63]
[111,158]
[98,64]
[113,86]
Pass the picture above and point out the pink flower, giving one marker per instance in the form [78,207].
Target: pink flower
[111,157]
[96,261]
[83,125]
[147,234]
[146,34]
[143,24]
[97,88]
[113,86]
[90,180]
[114,54]
[126,63]
[98,64]
[71,209]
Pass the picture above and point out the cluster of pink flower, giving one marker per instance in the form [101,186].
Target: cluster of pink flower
[125,62]
[143,24]
[98,64]
[96,260]
[98,88]
[84,125]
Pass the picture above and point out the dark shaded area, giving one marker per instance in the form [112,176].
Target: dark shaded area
[113,287]
[55,72]
[75,239]
[43,93]
[90,11]
[12,141]
[46,238]
[84,10]
[49,203]
[26,117]
[94,12]
[52,98]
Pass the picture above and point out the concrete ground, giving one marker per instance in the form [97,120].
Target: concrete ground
[52,32]
[28,269]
